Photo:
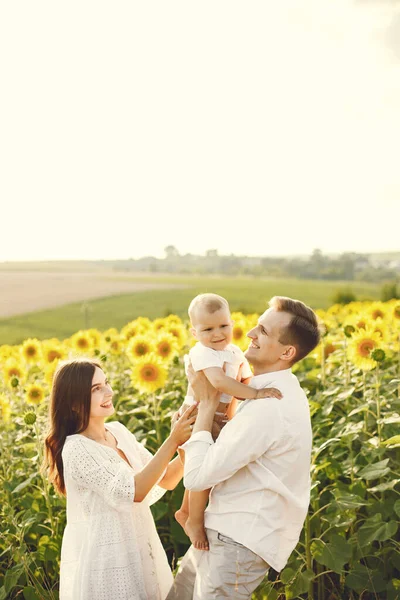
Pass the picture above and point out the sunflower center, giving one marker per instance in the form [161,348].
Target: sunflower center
[82,343]
[365,348]
[237,333]
[31,351]
[53,354]
[149,373]
[377,314]
[14,372]
[329,348]
[141,349]
[164,348]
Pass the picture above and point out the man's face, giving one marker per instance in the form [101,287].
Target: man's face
[213,330]
[265,351]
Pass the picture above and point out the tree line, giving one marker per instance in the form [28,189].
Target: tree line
[349,266]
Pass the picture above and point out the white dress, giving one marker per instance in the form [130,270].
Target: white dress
[110,548]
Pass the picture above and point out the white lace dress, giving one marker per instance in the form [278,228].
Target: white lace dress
[110,548]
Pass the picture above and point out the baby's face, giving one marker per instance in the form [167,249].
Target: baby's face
[213,330]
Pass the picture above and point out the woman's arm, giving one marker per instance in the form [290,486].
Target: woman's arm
[149,476]
[173,475]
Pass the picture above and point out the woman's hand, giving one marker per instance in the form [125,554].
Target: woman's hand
[204,392]
[182,429]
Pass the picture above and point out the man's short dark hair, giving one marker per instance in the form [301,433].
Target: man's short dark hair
[303,332]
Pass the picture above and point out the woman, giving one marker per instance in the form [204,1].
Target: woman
[110,548]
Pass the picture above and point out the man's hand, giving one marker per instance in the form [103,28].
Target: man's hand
[204,392]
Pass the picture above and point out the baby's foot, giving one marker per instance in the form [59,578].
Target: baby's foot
[181,516]
[197,534]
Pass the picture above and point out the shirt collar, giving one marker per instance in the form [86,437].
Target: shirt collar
[265,379]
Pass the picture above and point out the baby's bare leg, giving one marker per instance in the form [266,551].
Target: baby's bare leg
[195,524]
[182,514]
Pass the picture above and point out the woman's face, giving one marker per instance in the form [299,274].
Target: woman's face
[102,394]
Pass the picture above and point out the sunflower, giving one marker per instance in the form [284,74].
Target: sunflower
[52,350]
[149,374]
[361,346]
[5,409]
[381,327]
[237,316]
[113,343]
[31,350]
[48,372]
[110,333]
[396,311]
[95,336]
[251,321]
[166,346]
[377,310]
[82,342]
[325,348]
[34,393]
[159,324]
[173,319]
[357,321]
[179,332]
[239,336]
[13,372]
[139,346]
[132,329]
[7,351]
[143,322]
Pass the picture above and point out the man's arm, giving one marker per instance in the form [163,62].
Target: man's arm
[241,441]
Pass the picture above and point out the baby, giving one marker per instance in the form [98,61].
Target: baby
[223,364]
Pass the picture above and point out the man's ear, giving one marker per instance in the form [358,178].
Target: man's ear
[289,354]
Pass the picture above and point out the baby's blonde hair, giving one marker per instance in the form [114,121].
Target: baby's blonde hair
[210,302]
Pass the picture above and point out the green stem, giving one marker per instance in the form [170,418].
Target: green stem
[44,481]
[365,402]
[398,366]
[308,554]
[156,420]
[378,404]
[346,364]
[323,375]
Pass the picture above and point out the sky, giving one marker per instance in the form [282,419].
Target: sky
[258,128]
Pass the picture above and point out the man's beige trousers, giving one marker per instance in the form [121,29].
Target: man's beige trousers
[227,570]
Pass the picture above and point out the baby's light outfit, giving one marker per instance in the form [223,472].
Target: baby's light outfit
[232,357]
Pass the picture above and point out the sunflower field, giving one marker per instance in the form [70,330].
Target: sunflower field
[350,545]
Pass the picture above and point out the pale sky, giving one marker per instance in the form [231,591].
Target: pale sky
[259,128]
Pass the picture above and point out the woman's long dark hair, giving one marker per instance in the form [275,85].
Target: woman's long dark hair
[69,413]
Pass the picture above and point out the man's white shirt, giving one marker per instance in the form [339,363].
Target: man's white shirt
[259,469]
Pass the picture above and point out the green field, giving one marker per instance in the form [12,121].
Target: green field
[244,294]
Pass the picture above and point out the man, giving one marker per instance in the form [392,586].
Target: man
[258,468]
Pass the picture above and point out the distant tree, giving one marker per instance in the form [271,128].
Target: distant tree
[171,252]
[212,253]
[390,291]
[344,296]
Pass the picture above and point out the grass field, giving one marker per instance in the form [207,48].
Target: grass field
[244,294]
